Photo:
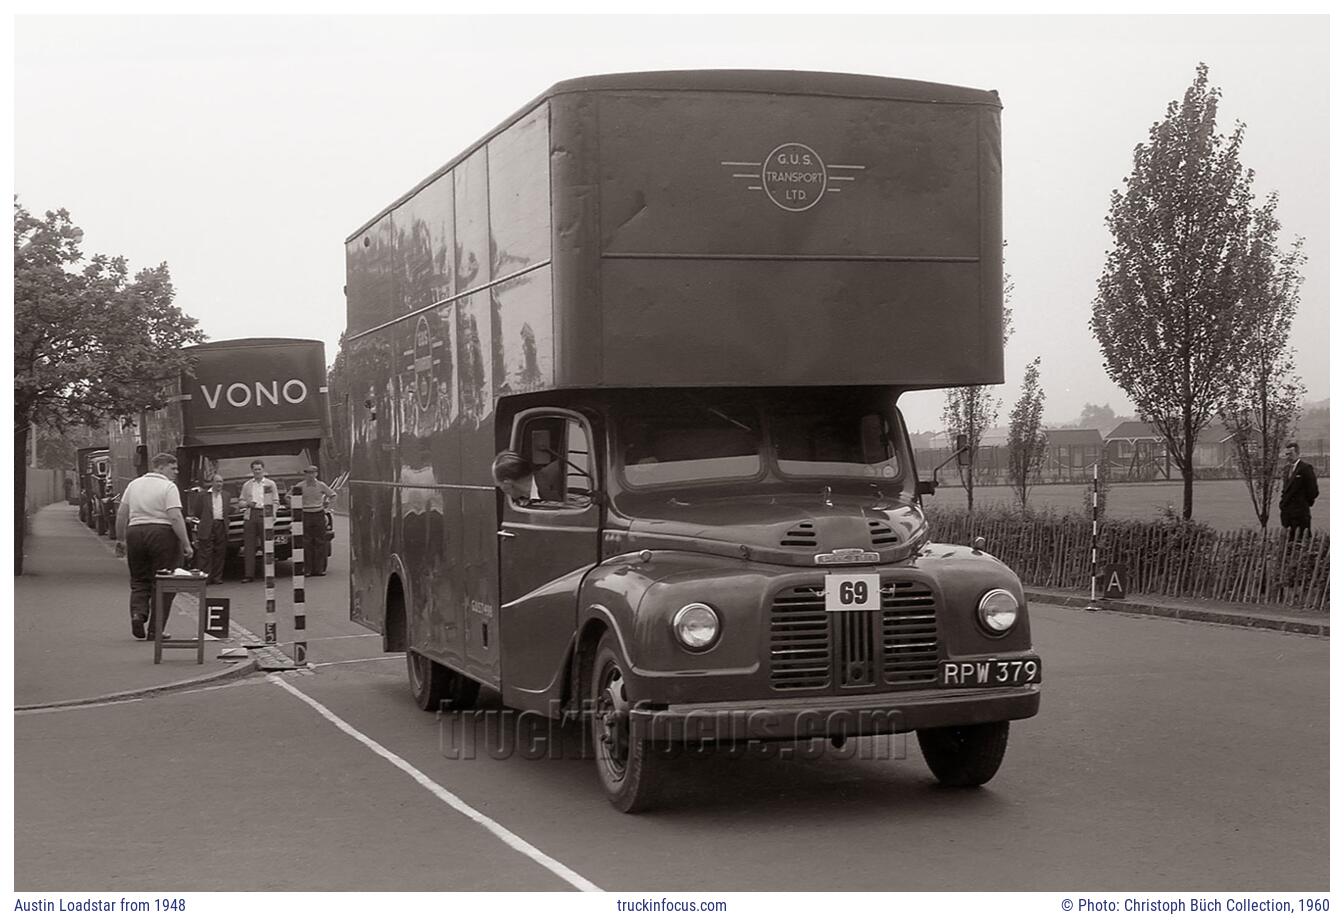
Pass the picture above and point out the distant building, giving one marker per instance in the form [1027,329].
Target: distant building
[991,437]
[1135,450]
[1071,452]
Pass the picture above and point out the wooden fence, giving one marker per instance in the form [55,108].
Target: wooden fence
[1175,559]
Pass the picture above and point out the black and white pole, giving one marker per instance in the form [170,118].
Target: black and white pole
[300,655]
[268,561]
[1093,604]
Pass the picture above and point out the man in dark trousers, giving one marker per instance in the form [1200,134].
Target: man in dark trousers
[254,495]
[313,504]
[152,534]
[212,529]
[1299,492]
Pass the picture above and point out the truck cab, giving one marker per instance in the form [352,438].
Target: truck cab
[760,568]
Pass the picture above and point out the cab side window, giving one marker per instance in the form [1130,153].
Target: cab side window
[559,451]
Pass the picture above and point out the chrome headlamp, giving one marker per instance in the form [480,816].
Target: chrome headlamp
[696,626]
[998,611]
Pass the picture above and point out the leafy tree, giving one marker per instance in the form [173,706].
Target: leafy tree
[1264,396]
[1173,311]
[972,409]
[1026,436]
[1101,417]
[91,342]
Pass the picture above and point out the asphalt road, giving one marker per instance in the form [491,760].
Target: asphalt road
[1167,756]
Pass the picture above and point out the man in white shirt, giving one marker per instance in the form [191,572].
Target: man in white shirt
[212,529]
[254,495]
[315,493]
[152,534]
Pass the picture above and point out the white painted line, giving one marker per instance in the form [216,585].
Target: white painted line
[507,836]
[330,638]
[327,664]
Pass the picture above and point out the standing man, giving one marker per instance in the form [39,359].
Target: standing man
[212,529]
[315,495]
[151,534]
[255,493]
[1299,492]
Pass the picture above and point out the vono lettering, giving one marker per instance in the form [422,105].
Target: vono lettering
[257,394]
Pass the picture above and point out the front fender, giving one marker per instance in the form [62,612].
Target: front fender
[637,599]
[963,576]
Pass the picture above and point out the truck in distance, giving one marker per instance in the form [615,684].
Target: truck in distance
[241,400]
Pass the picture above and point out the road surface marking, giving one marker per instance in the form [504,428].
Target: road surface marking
[330,638]
[504,834]
[327,664]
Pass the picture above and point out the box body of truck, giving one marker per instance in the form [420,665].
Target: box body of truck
[630,280]
[240,400]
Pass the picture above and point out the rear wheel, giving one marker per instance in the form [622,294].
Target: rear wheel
[631,767]
[964,755]
[436,687]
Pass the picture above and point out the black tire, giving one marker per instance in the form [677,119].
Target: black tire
[964,755]
[436,687]
[101,520]
[631,768]
[83,513]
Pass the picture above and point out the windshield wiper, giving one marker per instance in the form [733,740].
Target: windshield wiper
[727,418]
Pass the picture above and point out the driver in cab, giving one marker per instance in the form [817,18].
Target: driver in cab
[524,482]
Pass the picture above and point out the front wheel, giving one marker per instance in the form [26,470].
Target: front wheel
[964,755]
[631,768]
[436,687]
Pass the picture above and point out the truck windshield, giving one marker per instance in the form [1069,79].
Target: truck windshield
[699,440]
[276,465]
[692,441]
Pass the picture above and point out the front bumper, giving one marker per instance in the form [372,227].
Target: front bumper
[832,716]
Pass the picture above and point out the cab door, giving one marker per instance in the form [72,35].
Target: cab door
[546,547]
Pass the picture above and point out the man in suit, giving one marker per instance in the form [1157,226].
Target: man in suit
[211,509]
[1299,491]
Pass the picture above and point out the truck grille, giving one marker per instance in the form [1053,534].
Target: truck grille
[812,649]
[909,634]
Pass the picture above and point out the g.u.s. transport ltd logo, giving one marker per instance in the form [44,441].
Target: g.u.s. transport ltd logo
[793,176]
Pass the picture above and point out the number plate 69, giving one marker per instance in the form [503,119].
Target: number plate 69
[853,592]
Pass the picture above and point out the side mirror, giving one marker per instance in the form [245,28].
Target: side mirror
[963,455]
[927,486]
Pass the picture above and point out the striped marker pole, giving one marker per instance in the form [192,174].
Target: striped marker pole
[300,655]
[268,561]
[1093,604]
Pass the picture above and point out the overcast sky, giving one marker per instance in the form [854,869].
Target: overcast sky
[243,150]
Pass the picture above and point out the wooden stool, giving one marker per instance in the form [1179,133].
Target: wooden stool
[165,587]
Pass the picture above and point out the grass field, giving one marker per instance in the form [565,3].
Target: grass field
[1222,504]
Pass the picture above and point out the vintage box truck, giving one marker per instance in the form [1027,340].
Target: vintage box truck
[240,400]
[689,302]
[92,470]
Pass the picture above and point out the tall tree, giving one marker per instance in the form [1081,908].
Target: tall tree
[971,410]
[1265,395]
[1101,417]
[1026,437]
[1172,311]
[90,341]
